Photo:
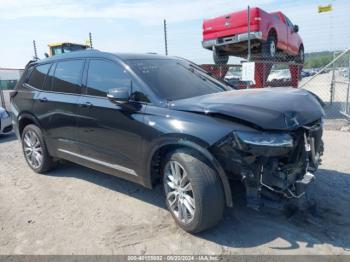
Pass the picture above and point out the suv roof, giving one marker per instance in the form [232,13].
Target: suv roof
[99,54]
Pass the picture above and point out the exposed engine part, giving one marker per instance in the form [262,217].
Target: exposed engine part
[273,172]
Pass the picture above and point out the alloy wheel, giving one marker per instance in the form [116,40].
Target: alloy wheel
[272,49]
[179,192]
[32,149]
[301,55]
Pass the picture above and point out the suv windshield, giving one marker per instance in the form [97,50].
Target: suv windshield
[174,79]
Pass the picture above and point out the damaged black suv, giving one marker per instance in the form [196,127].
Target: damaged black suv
[150,118]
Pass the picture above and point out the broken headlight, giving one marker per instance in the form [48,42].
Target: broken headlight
[273,139]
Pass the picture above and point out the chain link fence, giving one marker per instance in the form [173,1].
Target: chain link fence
[325,73]
[8,80]
[267,72]
[317,68]
[330,83]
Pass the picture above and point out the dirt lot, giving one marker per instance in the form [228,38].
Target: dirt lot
[74,210]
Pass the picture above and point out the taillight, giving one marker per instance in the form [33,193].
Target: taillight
[257,18]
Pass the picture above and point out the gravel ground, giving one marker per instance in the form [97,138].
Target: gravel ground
[74,210]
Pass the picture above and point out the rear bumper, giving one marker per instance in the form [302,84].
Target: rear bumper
[231,39]
[6,125]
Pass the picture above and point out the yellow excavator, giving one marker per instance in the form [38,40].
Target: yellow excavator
[65,47]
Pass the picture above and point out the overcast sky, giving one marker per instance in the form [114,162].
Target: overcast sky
[137,25]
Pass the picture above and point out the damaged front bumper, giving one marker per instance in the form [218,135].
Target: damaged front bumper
[273,166]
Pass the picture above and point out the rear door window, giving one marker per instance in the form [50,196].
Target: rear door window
[38,75]
[67,77]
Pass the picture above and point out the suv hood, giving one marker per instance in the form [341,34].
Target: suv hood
[266,108]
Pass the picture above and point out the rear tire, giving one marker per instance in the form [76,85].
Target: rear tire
[193,191]
[269,48]
[220,57]
[300,58]
[35,151]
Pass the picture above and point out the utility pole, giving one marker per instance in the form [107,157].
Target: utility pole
[165,38]
[248,20]
[35,51]
[249,51]
[90,39]
[333,80]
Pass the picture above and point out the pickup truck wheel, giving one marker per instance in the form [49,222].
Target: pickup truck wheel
[269,48]
[193,191]
[35,151]
[219,57]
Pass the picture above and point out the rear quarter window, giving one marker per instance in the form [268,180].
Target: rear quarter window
[37,76]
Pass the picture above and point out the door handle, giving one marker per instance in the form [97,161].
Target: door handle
[43,99]
[86,104]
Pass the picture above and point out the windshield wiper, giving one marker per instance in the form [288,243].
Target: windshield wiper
[202,71]
[192,70]
[202,74]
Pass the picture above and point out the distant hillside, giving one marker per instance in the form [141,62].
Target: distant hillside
[320,59]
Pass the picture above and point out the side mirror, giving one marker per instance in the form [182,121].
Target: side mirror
[119,95]
[295,29]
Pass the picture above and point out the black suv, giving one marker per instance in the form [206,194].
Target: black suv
[149,118]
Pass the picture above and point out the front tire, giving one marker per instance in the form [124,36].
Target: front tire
[193,191]
[35,151]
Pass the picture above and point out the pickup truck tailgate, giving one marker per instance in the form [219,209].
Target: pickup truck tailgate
[230,24]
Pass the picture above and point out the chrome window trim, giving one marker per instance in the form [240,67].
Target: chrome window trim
[49,91]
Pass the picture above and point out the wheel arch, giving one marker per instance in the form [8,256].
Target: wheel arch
[154,162]
[302,46]
[301,59]
[25,119]
[273,31]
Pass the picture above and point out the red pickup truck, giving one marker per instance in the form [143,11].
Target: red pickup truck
[272,35]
